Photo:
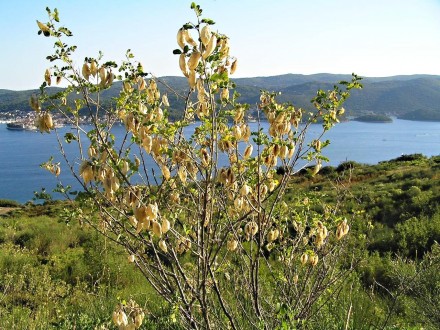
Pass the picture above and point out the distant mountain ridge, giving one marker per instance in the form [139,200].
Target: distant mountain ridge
[401,96]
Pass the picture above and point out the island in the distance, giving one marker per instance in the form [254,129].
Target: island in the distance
[421,115]
[374,118]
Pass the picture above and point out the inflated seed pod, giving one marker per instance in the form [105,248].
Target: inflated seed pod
[165,100]
[205,35]
[194,60]
[183,65]
[224,95]
[163,246]
[137,161]
[93,68]
[316,169]
[183,174]
[166,225]
[131,258]
[232,245]
[192,79]
[152,211]
[86,71]
[86,171]
[291,150]
[47,77]
[102,75]
[44,28]
[181,38]
[233,67]
[210,47]
[188,39]
[48,121]
[245,190]
[157,228]
[304,258]
[314,260]
[57,170]
[251,228]
[248,151]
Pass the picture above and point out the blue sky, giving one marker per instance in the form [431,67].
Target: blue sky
[369,37]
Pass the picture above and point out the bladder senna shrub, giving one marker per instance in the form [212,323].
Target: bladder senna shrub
[212,203]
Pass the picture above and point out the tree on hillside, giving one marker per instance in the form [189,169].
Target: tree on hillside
[197,203]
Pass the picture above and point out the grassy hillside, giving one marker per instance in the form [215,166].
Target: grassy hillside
[58,273]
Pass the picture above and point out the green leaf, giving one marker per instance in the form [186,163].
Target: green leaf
[208,21]
[177,51]
[56,16]
[69,137]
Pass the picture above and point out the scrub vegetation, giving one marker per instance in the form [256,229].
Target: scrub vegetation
[231,228]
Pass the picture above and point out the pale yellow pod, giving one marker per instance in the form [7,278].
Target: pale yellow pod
[137,161]
[147,143]
[205,35]
[304,258]
[183,174]
[183,65]
[125,167]
[152,211]
[57,170]
[166,172]
[86,171]
[251,228]
[236,131]
[314,260]
[232,245]
[163,246]
[157,229]
[91,151]
[248,151]
[194,60]
[291,151]
[131,258]
[43,27]
[245,190]
[210,47]
[316,169]
[93,68]
[47,77]
[138,321]
[181,38]
[233,67]
[165,100]
[102,74]
[166,225]
[86,71]
[188,39]
[192,79]
[224,94]
[48,121]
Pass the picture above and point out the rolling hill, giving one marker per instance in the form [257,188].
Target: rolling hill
[401,96]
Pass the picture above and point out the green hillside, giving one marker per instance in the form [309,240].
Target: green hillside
[415,97]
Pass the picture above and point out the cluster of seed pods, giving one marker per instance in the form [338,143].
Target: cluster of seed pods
[128,316]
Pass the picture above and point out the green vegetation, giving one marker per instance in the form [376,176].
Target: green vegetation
[398,95]
[58,273]
[422,115]
[235,244]
[374,118]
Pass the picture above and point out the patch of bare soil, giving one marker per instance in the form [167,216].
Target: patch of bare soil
[4,210]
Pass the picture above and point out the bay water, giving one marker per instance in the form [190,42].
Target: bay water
[21,152]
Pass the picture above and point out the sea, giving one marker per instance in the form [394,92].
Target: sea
[22,152]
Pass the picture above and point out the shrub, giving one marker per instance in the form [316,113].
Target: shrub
[205,223]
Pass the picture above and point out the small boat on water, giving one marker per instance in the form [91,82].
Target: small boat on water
[20,126]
